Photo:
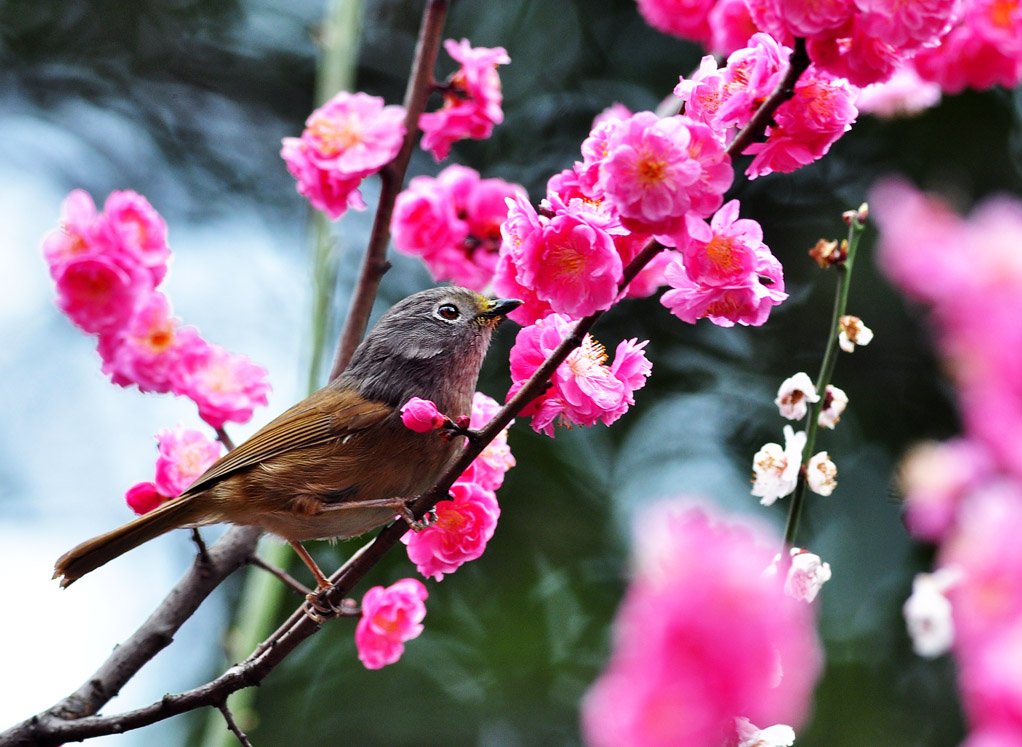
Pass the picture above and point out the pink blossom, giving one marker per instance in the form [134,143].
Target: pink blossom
[390,616]
[584,389]
[143,497]
[453,222]
[613,113]
[688,19]
[656,170]
[463,526]
[821,111]
[350,137]
[329,191]
[724,252]
[76,234]
[746,302]
[226,387]
[812,19]
[855,55]
[147,350]
[987,604]
[701,638]
[933,478]
[731,26]
[904,95]
[980,52]
[907,25]
[421,415]
[488,469]
[98,292]
[506,285]
[575,268]
[130,222]
[472,99]
[185,454]
[751,74]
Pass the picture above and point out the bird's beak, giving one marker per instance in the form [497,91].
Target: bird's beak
[497,308]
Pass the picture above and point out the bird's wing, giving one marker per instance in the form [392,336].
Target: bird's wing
[323,417]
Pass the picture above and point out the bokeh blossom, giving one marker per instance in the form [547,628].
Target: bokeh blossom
[184,454]
[701,638]
[967,493]
[226,387]
[390,616]
[584,389]
[472,99]
[928,614]
[345,140]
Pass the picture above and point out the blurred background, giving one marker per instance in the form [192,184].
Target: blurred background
[186,102]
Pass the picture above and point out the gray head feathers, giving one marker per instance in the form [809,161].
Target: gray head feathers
[429,345]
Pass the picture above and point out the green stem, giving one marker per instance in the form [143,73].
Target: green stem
[844,271]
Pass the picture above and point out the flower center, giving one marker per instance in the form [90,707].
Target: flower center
[335,135]
[720,252]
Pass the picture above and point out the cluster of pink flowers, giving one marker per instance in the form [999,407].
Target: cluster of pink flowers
[703,641]
[966,494]
[184,455]
[642,178]
[453,223]
[350,137]
[803,128]
[465,523]
[107,267]
[584,390]
[955,43]
[472,99]
[725,272]
[390,616]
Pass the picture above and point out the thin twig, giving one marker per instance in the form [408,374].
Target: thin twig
[232,725]
[374,263]
[280,573]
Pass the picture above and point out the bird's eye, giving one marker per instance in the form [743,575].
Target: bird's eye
[448,311]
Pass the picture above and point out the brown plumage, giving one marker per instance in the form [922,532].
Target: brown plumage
[339,462]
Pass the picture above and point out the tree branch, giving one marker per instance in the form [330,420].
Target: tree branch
[374,263]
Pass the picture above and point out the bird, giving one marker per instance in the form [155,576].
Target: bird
[340,462]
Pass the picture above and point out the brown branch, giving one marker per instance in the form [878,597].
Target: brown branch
[232,725]
[785,90]
[392,176]
[72,719]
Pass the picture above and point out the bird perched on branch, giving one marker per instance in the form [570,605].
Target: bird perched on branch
[341,461]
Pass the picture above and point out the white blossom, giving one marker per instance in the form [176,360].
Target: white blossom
[750,735]
[853,332]
[794,396]
[775,468]
[928,612]
[821,474]
[806,576]
[834,403]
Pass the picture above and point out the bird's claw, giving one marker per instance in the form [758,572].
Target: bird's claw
[318,608]
[417,525]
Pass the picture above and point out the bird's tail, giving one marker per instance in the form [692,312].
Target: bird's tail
[97,551]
